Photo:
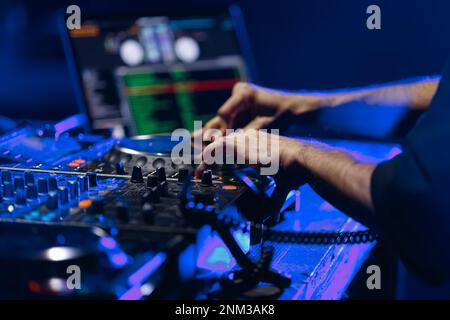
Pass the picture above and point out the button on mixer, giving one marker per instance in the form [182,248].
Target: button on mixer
[8,189]
[120,168]
[29,177]
[207,178]
[74,190]
[42,186]
[63,195]
[164,189]
[52,183]
[21,198]
[183,173]
[31,191]
[19,183]
[83,182]
[136,175]
[92,176]
[52,201]
[148,213]
[6,176]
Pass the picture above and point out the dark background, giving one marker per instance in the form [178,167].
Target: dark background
[320,44]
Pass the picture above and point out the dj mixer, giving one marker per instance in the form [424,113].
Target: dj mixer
[112,207]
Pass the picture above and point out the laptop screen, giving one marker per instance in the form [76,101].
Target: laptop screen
[154,74]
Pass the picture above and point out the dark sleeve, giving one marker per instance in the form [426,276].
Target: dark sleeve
[411,192]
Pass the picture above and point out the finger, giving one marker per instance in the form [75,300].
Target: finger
[259,123]
[231,108]
[208,162]
[214,123]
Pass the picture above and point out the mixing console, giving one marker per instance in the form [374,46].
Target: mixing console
[81,200]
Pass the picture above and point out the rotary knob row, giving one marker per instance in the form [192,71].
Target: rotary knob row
[24,187]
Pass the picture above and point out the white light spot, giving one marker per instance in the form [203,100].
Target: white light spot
[187,49]
[60,253]
[131,52]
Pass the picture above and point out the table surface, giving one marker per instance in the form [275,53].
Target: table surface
[325,271]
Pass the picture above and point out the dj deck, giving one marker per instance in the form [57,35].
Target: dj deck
[101,195]
[98,203]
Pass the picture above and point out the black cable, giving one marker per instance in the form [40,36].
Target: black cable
[213,217]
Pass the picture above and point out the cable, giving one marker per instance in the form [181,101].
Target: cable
[212,216]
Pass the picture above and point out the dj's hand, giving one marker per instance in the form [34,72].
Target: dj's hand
[253,107]
[254,148]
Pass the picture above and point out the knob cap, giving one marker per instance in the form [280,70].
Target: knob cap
[83,182]
[6,176]
[207,178]
[63,195]
[42,186]
[120,169]
[148,213]
[74,190]
[31,191]
[29,177]
[19,183]
[52,183]
[8,189]
[92,176]
[161,173]
[21,198]
[52,201]
[183,173]
[152,181]
[136,175]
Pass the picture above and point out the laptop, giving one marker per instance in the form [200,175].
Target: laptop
[145,74]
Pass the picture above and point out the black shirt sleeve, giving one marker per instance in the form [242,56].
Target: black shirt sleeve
[411,192]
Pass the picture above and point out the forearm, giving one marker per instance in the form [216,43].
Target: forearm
[415,95]
[340,178]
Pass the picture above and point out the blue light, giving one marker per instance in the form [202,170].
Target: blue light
[108,242]
[147,269]
[119,259]
[215,255]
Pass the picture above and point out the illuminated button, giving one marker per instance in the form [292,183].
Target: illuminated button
[79,161]
[73,164]
[229,187]
[84,204]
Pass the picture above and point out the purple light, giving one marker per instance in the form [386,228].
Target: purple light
[147,269]
[215,256]
[119,259]
[133,294]
[108,242]
[395,151]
